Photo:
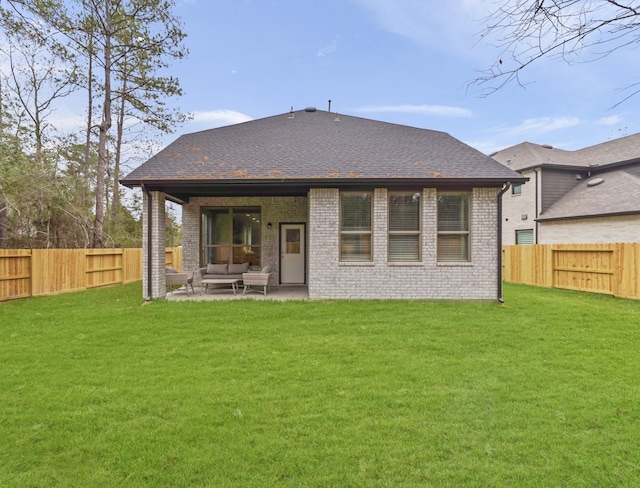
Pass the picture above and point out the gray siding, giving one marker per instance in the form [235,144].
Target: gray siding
[555,184]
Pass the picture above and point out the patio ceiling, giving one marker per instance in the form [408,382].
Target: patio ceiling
[181,191]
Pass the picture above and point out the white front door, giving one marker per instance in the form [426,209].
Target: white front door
[292,253]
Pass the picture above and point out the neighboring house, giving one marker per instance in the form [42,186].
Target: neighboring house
[350,207]
[591,195]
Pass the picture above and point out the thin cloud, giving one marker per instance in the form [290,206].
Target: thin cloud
[486,146]
[436,110]
[542,125]
[219,118]
[328,49]
[609,121]
[428,23]
[528,130]
[66,122]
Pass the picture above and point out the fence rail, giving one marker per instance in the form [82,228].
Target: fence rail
[25,273]
[598,268]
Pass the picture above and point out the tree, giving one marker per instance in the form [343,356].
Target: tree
[125,45]
[38,72]
[11,159]
[133,41]
[573,30]
[77,193]
[4,155]
[140,89]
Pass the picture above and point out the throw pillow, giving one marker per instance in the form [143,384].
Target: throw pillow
[218,269]
[238,268]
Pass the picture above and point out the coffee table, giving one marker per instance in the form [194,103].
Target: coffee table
[221,281]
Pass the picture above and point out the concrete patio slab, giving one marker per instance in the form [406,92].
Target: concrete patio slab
[274,293]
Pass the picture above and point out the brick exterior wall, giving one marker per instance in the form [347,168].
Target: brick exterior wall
[158,246]
[331,279]
[274,210]
[328,278]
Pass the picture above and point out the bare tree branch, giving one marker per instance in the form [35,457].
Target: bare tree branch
[525,31]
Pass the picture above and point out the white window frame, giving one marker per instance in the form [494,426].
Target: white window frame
[417,232]
[446,233]
[361,232]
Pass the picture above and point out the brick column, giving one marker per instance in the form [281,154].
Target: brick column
[191,239]
[157,247]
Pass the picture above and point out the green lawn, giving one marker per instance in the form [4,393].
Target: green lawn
[99,389]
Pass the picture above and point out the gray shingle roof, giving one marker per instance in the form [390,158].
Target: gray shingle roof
[618,194]
[313,145]
[527,155]
[617,162]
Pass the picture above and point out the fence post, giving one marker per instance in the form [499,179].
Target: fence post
[549,280]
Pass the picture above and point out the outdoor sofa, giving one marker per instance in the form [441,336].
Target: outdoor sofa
[223,271]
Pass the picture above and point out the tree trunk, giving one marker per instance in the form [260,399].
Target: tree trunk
[115,203]
[3,223]
[105,125]
[87,147]
[4,220]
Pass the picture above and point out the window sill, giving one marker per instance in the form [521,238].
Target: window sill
[416,264]
[453,264]
[356,263]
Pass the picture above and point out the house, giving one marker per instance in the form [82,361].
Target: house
[591,195]
[350,207]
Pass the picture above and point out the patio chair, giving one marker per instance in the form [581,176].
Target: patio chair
[179,279]
[260,278]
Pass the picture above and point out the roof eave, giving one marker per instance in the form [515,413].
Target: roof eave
[595,167]
[568,167]
[588,216]
[324,182]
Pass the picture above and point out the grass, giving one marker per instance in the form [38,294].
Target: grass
[99,389]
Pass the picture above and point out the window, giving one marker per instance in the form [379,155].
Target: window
[355,227]
[231,235]
[453,227]
[516,189]
[524,236]
[404,227]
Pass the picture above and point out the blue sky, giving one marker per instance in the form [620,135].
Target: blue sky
[400,61]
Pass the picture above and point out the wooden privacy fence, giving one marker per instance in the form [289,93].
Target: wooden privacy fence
[599,268]
[36,272]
